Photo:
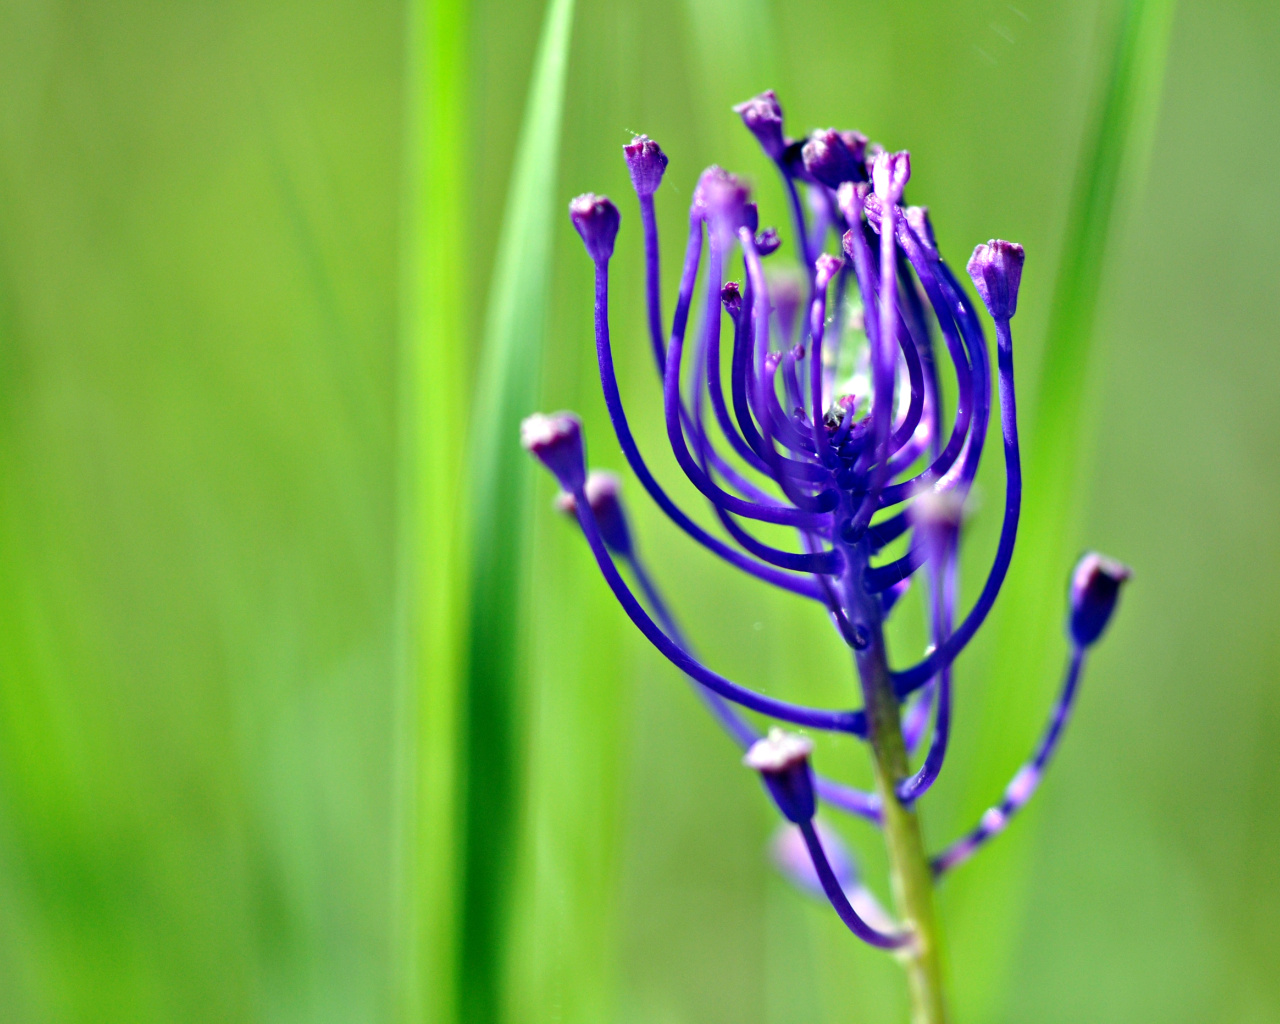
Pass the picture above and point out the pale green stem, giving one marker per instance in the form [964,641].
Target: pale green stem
[908,863]
[910,873]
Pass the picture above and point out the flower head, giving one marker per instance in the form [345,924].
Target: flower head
[996,269]
[604,498]
[782,759]
[1095,589]
[829,158]
[646,162]
[763,117]
[597,220]
[814,401]
[556,442]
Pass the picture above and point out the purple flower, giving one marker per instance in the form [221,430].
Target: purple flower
[782,759]
[819,406]
[646,162]
[1095,588]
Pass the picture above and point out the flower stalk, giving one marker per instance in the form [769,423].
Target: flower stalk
[853,464]
[909,869]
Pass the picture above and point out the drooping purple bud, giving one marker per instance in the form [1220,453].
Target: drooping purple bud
[857,145]
[751,217]
[731,298]
[828,159]
[1095,588]
[603,490]
[782,759]
[767,242]
[646,162]
[556,442]
[920,224]
[597,220]
[889,175]
[763,117]
[996,269]
[825,268]
[723,199]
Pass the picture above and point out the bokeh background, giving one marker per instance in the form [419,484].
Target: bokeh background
[247,260]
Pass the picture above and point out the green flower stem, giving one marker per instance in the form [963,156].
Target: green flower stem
[909,868]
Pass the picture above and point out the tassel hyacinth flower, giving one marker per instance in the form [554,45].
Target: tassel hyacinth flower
[855,462]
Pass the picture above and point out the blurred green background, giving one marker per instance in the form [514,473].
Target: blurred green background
[235,747]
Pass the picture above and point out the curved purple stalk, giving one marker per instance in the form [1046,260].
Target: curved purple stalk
[675,433]
[785,711]
[912,678]
[944,586]
[722,710]
[856,801]
[1027,780]
[839,901]
[817,328]
[948,309]
[846,798]
[653,279]
[618,416]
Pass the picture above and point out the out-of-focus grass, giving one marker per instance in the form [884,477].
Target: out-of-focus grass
[433,378]
[1114,151]
[198,267]
[199,210]
[507,390]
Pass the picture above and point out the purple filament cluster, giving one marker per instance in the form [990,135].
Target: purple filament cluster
[821,409]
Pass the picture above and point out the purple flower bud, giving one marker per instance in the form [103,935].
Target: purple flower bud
[763,117]
[723,199]
[856,143]
[646,162]
[731,297]
[767,242]
[751,217]
[828,159]
[996,269]
[1095,588]
[918,221]
[603,492]
[825,268]
[889,175]
[597,220]
[782,759]
[851,197]
[556,441]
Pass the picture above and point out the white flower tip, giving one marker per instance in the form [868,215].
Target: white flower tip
[778,751]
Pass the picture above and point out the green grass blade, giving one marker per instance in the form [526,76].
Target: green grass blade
[506,391]
[1112,162]
[432,384]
